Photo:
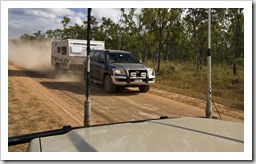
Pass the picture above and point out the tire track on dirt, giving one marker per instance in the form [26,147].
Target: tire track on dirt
[59,103]
[144,109]
[117,108]
[98,115]
[106,108]
[59,107]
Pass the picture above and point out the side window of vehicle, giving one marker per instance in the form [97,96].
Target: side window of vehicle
[64,50]
[95,56]
[91,54]
[101,57]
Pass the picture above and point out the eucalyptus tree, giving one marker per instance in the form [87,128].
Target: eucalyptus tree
[39,36]
[197,18]
[236,31]
[26,37]
[219,37]
[139,36]
[105,30]
[184,41]
[77,31]
[175,44]
[111,33]
[57,34]
[66,31]
[159,22]
[95,29]
[49,34]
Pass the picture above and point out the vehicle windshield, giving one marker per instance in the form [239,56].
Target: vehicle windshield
[117,57]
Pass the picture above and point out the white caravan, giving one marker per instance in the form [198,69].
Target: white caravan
[69,54]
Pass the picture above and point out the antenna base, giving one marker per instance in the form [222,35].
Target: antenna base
[87,113]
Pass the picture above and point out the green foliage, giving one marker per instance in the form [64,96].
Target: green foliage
[165,34]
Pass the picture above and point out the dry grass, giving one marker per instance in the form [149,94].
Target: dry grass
[27,114]
[182,78]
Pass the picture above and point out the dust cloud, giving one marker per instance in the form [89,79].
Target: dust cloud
[36,56]
[30,55]
[70,76]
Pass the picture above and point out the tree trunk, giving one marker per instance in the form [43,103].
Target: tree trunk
[182,47]
[237,43]
[159,55]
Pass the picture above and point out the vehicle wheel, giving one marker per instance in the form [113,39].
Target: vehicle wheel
[144,88]
[108,86]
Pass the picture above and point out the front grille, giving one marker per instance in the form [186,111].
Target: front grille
[137,73]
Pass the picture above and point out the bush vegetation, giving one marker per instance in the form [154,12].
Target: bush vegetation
[182,78]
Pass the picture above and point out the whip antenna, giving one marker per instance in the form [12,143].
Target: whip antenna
[87,103]
[208,110]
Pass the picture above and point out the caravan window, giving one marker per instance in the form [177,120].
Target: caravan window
[64,50]
[75,50]
[78,50]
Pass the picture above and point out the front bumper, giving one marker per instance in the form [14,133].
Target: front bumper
[132,81]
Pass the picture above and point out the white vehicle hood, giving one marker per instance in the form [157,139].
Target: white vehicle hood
[164,135]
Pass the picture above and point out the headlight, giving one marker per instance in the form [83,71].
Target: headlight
[119,72]
[151,72]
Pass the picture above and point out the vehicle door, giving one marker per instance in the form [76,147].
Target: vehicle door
[93,64]
[100,66]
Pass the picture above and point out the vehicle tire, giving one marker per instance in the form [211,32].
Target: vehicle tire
[108,86]
[144,88]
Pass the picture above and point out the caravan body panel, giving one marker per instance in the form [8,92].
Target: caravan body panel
[71,53]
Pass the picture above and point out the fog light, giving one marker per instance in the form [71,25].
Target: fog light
[143,74]
[133,74]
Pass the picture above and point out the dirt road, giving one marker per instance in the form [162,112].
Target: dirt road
[39,101]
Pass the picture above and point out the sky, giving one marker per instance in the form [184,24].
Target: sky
[30,20]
